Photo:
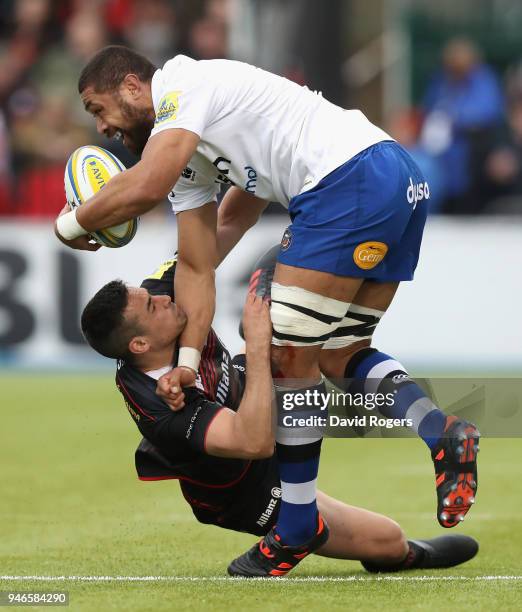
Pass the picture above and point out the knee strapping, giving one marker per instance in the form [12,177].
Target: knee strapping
[358,324]
[303,318]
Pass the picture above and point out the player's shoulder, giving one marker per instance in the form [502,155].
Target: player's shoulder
[161,281]
[179,62]
[182,68]
[179,69]
[139,394]
[174,76]
[132,382]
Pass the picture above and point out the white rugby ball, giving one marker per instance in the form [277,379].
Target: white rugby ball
[88,170]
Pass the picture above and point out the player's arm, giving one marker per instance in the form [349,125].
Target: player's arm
[194,282]
[248,433]
[237,213]
[205,426]
[135,191]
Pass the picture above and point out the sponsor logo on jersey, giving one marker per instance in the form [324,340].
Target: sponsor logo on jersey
[192,422]
[367,255]
[223,166]
[168,107]
[131,410]
[417,192]
[272,505]
[224,383]
[251,183]
[286,240]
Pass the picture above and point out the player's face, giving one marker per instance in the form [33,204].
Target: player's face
[117,115]
[161,320]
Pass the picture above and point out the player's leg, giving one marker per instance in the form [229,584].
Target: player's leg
[341,232]
[299,331]
[360,534]
[346,358]
[453,443]
[305,309]
[381,545]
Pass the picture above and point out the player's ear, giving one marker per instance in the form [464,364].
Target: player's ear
[139,345]
[132,85]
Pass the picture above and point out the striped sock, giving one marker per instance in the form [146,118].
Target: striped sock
[298,451]
[380,373]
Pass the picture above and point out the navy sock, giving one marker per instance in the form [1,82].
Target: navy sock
[376,372]
[298,451]
[297,519]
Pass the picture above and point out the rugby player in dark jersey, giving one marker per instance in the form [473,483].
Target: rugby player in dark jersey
[220,445]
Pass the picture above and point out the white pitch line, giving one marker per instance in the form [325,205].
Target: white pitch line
[297,579]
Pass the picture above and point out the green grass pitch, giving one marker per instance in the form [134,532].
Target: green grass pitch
[71,505]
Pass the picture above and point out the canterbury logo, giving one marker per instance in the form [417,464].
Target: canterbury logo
[399,378]
[418,192]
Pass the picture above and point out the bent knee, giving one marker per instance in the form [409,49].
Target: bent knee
[333,362]
[389,543]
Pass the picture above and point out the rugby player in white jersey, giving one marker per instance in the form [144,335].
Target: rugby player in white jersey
[357,205]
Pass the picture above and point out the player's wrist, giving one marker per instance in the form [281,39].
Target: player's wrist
[67,226]
[257,351]
[189,358]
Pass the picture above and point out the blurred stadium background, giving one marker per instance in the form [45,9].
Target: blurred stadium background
[445,79]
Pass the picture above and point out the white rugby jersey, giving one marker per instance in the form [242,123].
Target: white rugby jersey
[260,132]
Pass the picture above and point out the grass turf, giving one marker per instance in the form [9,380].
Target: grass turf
[70,504]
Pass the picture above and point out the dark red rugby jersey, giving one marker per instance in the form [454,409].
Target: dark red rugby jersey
[230,493]
[173,445]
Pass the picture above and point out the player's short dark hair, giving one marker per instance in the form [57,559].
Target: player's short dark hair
[103,323]
[106,70]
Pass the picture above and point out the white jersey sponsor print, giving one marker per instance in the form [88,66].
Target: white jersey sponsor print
[260,132]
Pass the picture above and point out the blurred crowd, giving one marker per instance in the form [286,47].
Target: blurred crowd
[466,134]
[43,46]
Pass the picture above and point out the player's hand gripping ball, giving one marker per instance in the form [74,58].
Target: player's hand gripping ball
[88,170]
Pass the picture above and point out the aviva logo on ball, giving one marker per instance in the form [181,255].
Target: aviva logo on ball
[97,173]
[88,170]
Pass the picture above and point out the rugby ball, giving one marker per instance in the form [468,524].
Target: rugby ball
[88,170]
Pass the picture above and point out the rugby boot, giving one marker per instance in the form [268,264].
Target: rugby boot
[455,461]
[269,558]
[444,551]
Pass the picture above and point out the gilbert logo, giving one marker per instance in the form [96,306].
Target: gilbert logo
[418,192]
[368,254]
